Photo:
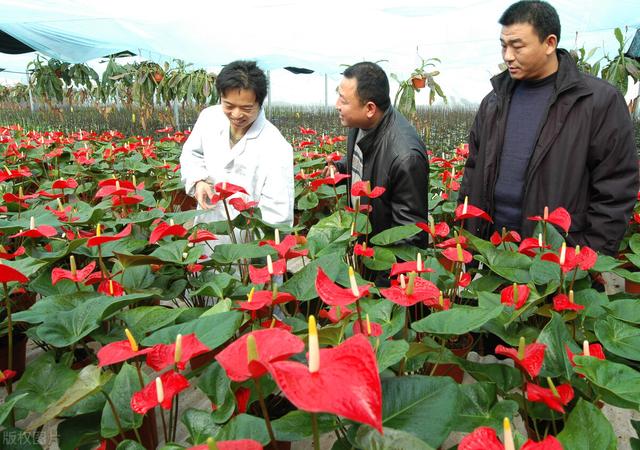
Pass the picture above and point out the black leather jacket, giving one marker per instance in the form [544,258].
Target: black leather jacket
[584,160]
[394,157]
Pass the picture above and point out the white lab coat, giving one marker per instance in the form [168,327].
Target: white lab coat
[261,162]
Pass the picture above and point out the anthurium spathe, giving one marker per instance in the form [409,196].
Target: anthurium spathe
[558,216]
[36,231]
[264,274]
[409,266]
[335,313]
[410,292]
[332,294]
[457,254]
[506,236]
[363,189]
[284,247]
[485,438]
[528,245]
[6,254]
[516,294]
[272,344]
[435,230]
[69,183]
[75,275]
[6,375]
[594,350]
[467,211]
[111,288]
[363,250]
[343,380]
[119,351]
[164,355]
[226,190]
[372,329]
[564,302]
[9,274]
[100,238]
[159,392]
[528,357]
[555,398]
[201,236]
[164,229]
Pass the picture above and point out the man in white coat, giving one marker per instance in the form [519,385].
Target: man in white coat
[234,143]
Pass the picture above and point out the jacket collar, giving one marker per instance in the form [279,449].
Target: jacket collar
[568,77]
[257,126]
[366,143]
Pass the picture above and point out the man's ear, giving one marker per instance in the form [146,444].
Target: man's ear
[552,43]
[371,109]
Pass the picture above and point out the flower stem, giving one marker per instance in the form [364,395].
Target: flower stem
[265,413]
[115,414]
[7,301]
[164,426]
[316,433]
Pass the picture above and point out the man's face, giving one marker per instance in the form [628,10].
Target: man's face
[241,107]
[526,57]
[351,111]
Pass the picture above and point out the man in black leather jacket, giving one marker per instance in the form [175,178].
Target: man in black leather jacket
[383,148]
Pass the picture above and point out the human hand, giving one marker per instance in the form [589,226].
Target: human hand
[329,170]
[203,193]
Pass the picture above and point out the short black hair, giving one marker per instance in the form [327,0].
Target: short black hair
[373,84]
[242,75]
[539,14]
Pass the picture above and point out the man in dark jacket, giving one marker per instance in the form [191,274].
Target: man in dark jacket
[549,135]
[383,148]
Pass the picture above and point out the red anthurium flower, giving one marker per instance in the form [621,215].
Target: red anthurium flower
[457,254]
[165,130]
[548,443]
[559,217]
[242,399]
[77,276]
[201,236]
[50,195]
[304,144]
[466,211]
[465,279]
[20,199]
[130,199]
[164,229]
[554,400]
[363,188]
[594,350]
[226,190]
[6,375]
[37,232]
[515,294]
[242,444]
[119,351]
[409,266]
[272,344]
[69,183]
[463,241]
[302,176]
[4,254]
[563,302]
[363,209]
[335,313]
[257,300]
[529,244]
[163,355]
[440,229]
[331,180]
[263,275]
[363,250]
[371,329]
[511,236]
[528,357]
[284,248]
[111,288]
[586,258]
[275,323]
[332,294]
[343,380]
[240,205]
[194,268]
[172,384]
[421,291]
[482,438]
[309,131]
[9,174]
[100,239]
[63,216]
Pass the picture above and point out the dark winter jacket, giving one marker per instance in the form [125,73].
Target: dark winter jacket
[584,160]
[395,158]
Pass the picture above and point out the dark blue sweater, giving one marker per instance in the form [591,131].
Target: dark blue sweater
[529,104]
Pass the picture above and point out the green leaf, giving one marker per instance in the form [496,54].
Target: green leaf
[390,353]
[44,381]
[627,310]
[395,234]
[303,284]
[593,302]
[125,385]
[308,201]
[513,266]
[606,263]
[480,407]
[368,438]
[129,445]
[244,426]
[212,331]
[619,337]
[76,432]
[587,429]
[296,425]
[383,259]
[505,377]
[231,253]
[7,406]
[219,286]
[199,424]
[215,383]
[171,252]
[543,272]
[89,380]
[136,260]
[556,335]
[458,320]
[145,319]
[408,404]
[618,384]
